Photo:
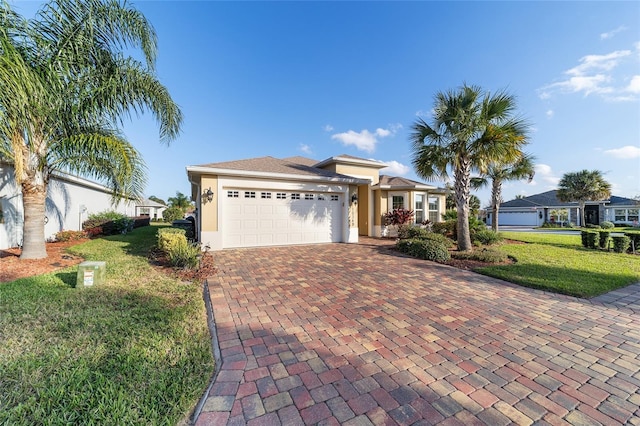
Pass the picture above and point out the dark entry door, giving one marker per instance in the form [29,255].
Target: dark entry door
[592,215]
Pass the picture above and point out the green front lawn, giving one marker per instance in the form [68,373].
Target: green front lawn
[559,263]
[134,351]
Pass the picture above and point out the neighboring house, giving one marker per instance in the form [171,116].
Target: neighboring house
[150,208]
[70,200]
[269,201]
[540,208]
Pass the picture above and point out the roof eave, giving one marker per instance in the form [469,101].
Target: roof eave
[352,161]
[198,170]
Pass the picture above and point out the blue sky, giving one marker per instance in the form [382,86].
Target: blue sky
[320,79]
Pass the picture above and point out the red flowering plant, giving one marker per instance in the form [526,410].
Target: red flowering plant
[398,217]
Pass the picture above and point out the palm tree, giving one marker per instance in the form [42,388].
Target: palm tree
[181,201]
[470,130]
[66,85]
[497,173]
[582,186]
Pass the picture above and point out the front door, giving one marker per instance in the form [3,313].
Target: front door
[591,215]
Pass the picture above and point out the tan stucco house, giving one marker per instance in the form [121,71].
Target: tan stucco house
[269,201]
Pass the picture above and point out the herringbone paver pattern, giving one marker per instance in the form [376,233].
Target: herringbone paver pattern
[357,335]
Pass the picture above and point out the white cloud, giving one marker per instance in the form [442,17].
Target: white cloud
[624,153]
[634,84]
[395,168]
[305,148]
[545,174]
[612,33]
[365,140]
[327,128]
[593,75]
[424,114]
[550,113]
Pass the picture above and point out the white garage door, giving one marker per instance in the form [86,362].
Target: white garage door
[518,218]
[258,217]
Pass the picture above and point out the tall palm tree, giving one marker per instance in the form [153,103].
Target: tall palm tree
[471,129]
[582,186]
[497,173]
[65,86]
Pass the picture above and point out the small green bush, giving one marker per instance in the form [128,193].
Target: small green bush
[634,238]
[487,237]
[425,249]
[108,223]
[183,254]
[621,243]
[589,238]
[445,228]
[603,238]
[63,235]
[408,232]
[167,237]
[484,255]
[172,213]
[607,225]
[592,226]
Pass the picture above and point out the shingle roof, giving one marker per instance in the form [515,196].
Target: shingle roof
[149,203]
[404,183]
[550,198]
[302,160]
[274,165]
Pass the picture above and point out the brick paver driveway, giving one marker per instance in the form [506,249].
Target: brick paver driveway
[357,335]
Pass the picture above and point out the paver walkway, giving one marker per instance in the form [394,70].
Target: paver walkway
[358,335]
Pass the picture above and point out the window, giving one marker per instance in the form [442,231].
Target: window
[334,198]
[620,215]
[249,194]
[418,211]
[281,196]
[144,211]
[308,196]
[321,197]
[265,195]
[295,196]
[397,202]
[632,215]
[433,209]
[232,194]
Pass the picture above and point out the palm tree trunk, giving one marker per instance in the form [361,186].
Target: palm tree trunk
[33,201]
[462,191]
[495,200]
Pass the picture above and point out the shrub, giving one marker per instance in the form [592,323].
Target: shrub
[620,243]
[63,235]
[603,238]
[141,221]
[172,213]
[592,226]
[487,237]
[108,222]
[183,254]
[445,228]
[607,225]
[408,232]
[484,255]
[634,238]
[426,249]
[589,238]
[167,237]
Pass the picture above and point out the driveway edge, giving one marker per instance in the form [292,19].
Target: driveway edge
[215,348]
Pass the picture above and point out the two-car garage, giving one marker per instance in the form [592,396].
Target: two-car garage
[264,217]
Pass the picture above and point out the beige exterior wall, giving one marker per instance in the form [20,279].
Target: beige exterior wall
[355,171]
[209,210]
[363,209]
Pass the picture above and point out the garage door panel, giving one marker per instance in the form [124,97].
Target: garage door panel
[518,218]
[280,220]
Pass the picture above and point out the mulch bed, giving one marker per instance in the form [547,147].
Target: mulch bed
[13,268]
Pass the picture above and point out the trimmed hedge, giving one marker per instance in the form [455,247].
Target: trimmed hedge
[634,238]
[621,243]
[426,249]
[589,238]
[603,239]
[484,255]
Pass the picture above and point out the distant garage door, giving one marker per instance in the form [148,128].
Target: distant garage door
[518,218]
[258,217]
